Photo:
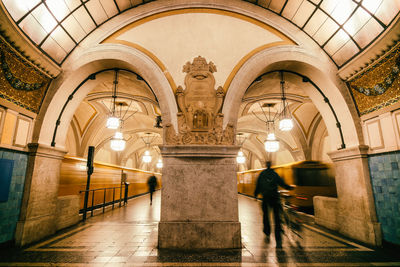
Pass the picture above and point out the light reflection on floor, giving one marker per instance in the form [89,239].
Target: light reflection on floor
[127,236]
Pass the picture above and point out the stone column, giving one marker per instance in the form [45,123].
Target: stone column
[356,208]
[38,208]
[199,202]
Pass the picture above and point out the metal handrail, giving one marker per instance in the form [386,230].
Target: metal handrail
[104,204]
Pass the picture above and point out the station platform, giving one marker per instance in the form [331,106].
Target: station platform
[127,236]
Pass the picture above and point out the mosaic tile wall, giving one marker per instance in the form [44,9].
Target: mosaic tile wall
[9,211]
[379,85]
[385,177]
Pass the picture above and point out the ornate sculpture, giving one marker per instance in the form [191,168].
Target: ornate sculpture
[199,117]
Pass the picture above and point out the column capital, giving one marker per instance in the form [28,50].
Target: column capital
[36,149]
[355,152]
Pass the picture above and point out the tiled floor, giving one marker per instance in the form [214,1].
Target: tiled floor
[127,236]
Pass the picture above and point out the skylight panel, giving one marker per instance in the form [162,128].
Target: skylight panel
[291,8]
[72,4]
[315,22]
[371,5]
[58,8]
[44,17]
[329,5]
[388,10]
[62,38]
[97,11]
[303,13]
[276,5]
[354,24]
[52,48]
[368,33]
[110,7]
[74,28]
[123,4]
[84,19]
[345,53]
[343,11]
[18,8]
[326,31]
[337,41]
[33,29]
[264,3]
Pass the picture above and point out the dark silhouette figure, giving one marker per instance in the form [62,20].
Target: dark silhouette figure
[126,193]
[152,183]
[267,186]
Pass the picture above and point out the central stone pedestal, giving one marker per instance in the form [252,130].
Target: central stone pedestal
[199,203]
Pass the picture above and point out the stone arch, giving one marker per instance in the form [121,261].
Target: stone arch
[96,59]
[297,60]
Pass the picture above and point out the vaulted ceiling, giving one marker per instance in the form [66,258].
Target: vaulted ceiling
[343,29]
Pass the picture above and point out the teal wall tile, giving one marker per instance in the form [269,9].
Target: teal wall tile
[9,211]
[385,179]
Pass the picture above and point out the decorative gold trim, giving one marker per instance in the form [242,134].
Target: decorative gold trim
[113,38]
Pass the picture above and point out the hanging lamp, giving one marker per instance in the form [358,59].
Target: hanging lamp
[117,142]
[286,121]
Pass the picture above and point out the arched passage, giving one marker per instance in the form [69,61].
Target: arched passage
[298,61]
[95,60]
[328,94]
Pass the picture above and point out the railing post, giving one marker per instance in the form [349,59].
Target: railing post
[89,172]
[104,199]
[92,203]
[113,196]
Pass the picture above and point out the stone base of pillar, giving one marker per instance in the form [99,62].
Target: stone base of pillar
[199,202]
[39,203]
[355,206]
[360,229]
[199,235]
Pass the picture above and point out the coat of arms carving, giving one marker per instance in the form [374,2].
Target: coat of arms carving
[199,117]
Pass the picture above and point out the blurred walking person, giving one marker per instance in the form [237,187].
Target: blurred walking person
[267,186]
[152,183]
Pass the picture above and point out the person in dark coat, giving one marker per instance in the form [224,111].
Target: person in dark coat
[152,183]
[267,186]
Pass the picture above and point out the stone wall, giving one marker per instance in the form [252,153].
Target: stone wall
[385,177]
[9,210]
[67,213]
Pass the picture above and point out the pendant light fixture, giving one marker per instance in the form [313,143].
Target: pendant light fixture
[270,144]
[147,139]
[240,138]
[117,142]
[286,121]
[118,111]
[159,164]
[113,122]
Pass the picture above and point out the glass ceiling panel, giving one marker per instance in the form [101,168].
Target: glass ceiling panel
[388,10]
[33,29]
[53,49]
[343,28]
[58,8]
[97,11]
[74,28]
[123,4]
[303,13]
[291,8]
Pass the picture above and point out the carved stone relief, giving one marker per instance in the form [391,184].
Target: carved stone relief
[199,117]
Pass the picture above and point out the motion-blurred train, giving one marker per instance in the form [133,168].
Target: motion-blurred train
[312,178]
[73,179]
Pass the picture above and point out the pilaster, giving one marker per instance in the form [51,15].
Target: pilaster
[356,208]
[38,208]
